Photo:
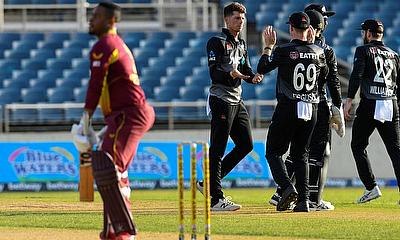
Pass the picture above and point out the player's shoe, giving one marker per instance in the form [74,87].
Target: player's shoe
[200,186]
[110,236]
[275,199]
[288,197]
[302,206]
[370,195]
[225,204]
[323,206]
[125,236]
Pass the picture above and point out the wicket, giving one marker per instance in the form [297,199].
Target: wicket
[193,179]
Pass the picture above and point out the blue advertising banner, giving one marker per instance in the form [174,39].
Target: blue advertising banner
[59,161]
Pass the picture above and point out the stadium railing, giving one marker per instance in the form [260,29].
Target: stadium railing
[74,17]
[255,108]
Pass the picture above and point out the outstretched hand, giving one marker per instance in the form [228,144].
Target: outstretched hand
[269,37]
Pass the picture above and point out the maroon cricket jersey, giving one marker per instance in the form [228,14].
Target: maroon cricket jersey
[114,81]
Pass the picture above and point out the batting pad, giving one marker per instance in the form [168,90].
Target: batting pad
[105,175]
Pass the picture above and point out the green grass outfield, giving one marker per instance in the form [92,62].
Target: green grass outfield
[59,215]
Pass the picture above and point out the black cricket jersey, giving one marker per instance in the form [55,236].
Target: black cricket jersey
[301,65]
[376,69]
[332,80]
[225,54]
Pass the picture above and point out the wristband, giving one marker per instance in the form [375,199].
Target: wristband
[267,48]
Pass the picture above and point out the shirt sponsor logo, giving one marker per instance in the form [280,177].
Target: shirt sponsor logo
[96,64]
[211,56]
[294,55]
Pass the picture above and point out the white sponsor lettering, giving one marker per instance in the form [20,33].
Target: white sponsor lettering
[381,90]
[309,55]
[96,64]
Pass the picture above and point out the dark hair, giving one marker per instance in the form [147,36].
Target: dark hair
[112,10]
[235,6]
[376,35]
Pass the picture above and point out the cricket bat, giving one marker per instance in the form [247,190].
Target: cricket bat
[86,190]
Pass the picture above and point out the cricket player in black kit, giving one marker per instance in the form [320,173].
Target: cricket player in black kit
[320,145]
[228,64]
[301,65]
[376,71]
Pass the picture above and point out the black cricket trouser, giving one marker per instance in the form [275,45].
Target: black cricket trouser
[363,126]
[287,129]
[227,120]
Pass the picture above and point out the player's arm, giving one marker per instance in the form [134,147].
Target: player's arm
[219,74]
[248,71]
[269,61]
[355,79]
[398,80]
[98,67]
[332,78]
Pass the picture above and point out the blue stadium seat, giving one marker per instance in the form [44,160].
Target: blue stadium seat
[16,83]
[140,1]
[58,63]
[33,64]
[9,95]
[82,36]
[134,35]
[153,71]
[194,52]
[17,54]
[69,53]
[9,36]
[148,91]
[180,71]
[198,81]
[171,52]
[78,43]
[44,1]
[177,43]
[173,80]
[66,1]
[33,95]
[191,93]
[9,64]
[80,94]
[76,73]
[152,43]
[185,35]
[32,36]
[42,83]
[51,45]
[188,61]
[198,43]
[60,95]
[161,62]
[25,45]
[42,54]
[248,91]
[18,2]
[165,93]
[159,35]
[265,92]
[5,73]
[26,73]
[68,82]
[82,63]
[57,36]
[132,42]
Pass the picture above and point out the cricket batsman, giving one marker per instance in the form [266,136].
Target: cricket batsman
[114,84]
